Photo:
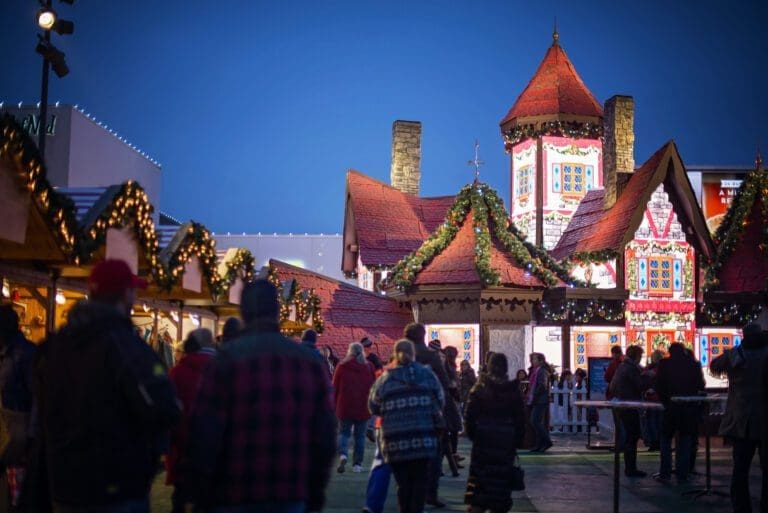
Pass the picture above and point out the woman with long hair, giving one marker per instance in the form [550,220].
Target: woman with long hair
[495,424]
[352,381]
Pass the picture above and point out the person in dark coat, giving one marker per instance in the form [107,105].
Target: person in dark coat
[496,426]
[262,434]
[537,399]
[627,385]
[352,381]
[371,356]
[106,403]
[199,351]
[416,333]
[452,410]
[745,417]
[616,358]
[409,399]
[17,355]
[678,375]
[467,379]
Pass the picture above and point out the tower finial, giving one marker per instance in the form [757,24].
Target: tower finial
[476,162]
[759,160]
[555,35]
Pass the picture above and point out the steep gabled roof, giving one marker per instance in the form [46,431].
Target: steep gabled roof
[556,88]
[478,245]
[741,260]
[385,223]
[349,312]
[593,229]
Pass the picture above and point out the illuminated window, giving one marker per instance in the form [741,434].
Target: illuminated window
[524,183]
[660,276]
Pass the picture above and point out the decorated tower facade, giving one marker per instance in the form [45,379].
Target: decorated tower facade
[553,136]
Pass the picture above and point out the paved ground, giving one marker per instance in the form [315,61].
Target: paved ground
[568,479]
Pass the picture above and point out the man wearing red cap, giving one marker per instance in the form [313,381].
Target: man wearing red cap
[106,402]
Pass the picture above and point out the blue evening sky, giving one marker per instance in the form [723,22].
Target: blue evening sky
[256,109]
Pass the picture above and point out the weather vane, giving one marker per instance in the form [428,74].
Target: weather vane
[476,162]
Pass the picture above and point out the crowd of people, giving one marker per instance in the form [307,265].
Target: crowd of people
[254,421]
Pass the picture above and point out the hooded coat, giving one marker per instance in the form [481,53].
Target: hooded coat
[495,422]
[409,399]
[352,382]
[106,405]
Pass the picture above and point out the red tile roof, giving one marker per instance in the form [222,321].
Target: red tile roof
[456,263]
[390,223]
[594,229]
[555,88]
[746,268]
[349,312]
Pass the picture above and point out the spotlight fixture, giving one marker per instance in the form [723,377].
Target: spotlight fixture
[47,19]
[53,55]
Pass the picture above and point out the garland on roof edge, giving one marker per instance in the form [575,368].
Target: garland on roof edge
[242,265]
[572,129]
[198,242]
[129,207]
[730,231]
[59,211]
[485,203]
[305,301]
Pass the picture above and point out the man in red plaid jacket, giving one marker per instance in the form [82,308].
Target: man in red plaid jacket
[263,428]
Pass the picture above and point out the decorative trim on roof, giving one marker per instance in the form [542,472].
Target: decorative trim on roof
[120,206]
[753,188]
[303,303]
[192,239]
[17,147]
[242,265]
[486,206]
[572,129]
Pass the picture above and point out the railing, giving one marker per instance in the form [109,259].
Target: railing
[564,416]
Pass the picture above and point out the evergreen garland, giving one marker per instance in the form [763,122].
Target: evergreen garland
[198,242]
[242,265]
[729,233]
[58,210]
[488,214]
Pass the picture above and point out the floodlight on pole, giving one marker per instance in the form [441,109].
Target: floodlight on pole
[46,19]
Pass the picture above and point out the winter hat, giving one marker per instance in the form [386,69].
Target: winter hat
[259,301]
[309,336]
[366,342]
[435,345]
[109,279]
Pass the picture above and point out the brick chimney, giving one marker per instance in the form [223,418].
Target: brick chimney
[405,173]
[618,146]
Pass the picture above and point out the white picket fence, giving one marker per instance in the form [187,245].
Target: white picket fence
[564,416]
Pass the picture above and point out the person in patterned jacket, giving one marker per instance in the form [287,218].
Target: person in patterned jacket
[262,433]
[409,399]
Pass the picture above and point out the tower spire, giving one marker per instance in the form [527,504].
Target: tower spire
[759,160]
[476,162]
[555,34]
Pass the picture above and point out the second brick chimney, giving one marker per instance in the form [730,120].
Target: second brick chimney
[618,146]
[405,173]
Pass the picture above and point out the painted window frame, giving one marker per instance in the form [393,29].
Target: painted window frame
[659,290]
[524,176]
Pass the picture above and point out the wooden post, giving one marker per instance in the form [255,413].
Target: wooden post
[565,344]
[50,310]
[539,192]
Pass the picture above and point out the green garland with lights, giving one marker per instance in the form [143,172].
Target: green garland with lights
[730,315]
[306,302]
[582,311]
[729,233]
[199,243]
[242,265]
[593,257]
[58,211]
[488,214]
[128,207]
[572,129]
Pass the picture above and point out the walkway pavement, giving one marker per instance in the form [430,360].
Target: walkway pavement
[567,479]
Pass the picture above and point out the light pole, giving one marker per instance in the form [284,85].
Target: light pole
[48,20]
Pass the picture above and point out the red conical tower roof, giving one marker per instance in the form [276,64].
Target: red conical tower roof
[555,92]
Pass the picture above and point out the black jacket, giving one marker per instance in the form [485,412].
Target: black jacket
[628,384]
[679,375]
[105,405]
[495,423]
